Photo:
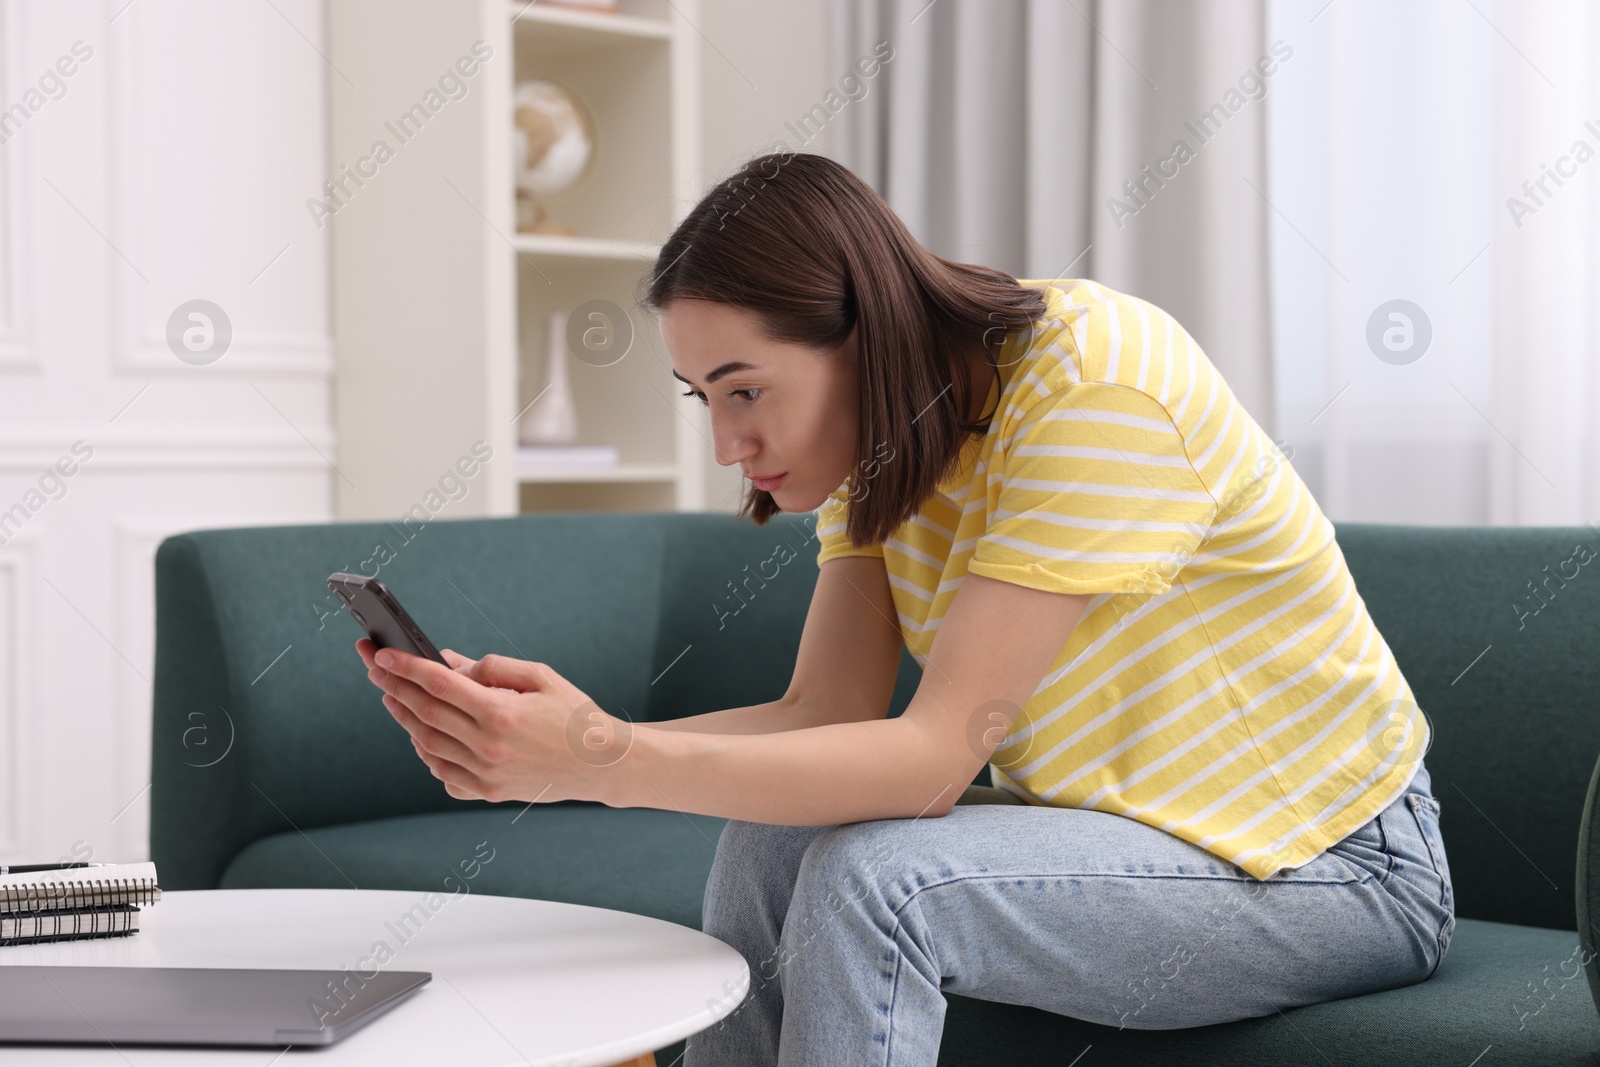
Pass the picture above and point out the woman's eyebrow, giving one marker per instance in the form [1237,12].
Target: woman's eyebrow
[725,369]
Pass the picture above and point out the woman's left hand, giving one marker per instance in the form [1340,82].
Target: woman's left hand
[502,728]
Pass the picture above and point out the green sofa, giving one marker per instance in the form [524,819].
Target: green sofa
[275,764]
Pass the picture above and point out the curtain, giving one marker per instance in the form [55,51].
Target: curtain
[1119,140]
[1399,141]
[1544,459]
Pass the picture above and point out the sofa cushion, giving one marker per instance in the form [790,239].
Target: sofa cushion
[631,859]
[1515,990]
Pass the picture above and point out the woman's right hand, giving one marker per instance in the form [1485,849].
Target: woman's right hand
[457,662]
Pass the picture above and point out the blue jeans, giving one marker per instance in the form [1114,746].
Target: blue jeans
[854,933]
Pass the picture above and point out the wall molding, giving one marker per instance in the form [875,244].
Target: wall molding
[19,611]
[165,446]
[18,352]
[307,357]
[134,351]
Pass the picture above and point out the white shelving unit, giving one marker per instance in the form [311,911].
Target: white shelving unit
[441,307]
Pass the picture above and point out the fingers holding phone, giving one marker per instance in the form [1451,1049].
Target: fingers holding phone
[456,661]
[453,659]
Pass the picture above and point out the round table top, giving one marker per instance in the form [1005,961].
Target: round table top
[515,981]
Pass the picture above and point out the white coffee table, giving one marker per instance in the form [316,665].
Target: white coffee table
[515,981]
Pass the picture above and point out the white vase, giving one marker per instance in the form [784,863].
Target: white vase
[552,419]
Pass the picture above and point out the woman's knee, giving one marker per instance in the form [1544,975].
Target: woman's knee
[754,871]
[740,840]
[845,865]
[755,848]
[735,867]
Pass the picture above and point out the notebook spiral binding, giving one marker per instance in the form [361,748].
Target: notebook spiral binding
[30,927]
[99,893]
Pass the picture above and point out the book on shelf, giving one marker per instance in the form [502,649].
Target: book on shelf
[542,457]
[607,6]
[64,902]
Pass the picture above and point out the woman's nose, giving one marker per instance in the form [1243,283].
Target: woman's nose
[731,448]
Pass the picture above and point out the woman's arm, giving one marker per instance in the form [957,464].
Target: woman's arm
[775,716]
[996,642]
[834,773]
[516,730]
[547,741]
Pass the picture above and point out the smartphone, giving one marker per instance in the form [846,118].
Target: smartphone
[376,611]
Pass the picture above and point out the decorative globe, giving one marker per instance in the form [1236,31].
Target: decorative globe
[553,138]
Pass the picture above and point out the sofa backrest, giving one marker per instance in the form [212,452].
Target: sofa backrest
[265,719]
[1498,632]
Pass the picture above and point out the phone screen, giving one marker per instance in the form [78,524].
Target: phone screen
[376,611]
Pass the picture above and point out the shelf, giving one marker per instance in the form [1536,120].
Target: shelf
[565,27]
[599,249]
[622,472]
[487,319]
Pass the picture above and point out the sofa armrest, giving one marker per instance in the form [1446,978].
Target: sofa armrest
[198,770]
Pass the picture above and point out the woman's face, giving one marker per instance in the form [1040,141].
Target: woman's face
[776,409]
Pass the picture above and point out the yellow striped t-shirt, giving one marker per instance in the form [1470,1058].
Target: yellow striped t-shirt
[1225,683]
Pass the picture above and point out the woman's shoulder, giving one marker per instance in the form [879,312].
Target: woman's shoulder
[1091,333]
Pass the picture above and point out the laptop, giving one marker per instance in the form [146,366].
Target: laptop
[194,1005]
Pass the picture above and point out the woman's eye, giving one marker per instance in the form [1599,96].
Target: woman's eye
[749,395]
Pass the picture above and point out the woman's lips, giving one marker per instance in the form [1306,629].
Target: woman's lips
[767,485]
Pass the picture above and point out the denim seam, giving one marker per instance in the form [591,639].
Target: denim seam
[1433,858]
[894,993]
[1427,843]
[1383,847]
[978,875]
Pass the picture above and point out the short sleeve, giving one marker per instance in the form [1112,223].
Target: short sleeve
[1097,495]
[832,518]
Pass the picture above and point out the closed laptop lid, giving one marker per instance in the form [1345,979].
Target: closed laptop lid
[194,1005]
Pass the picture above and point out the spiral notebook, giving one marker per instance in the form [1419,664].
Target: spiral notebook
[105,886]
[28,927]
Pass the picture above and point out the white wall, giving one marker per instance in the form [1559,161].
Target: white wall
[173,164]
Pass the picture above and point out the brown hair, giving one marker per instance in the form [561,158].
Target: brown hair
[816,251]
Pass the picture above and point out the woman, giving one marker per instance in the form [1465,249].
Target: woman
[1210,801]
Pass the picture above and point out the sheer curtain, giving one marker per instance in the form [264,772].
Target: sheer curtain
[1545,469]
[1398,145]
[1041,137]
